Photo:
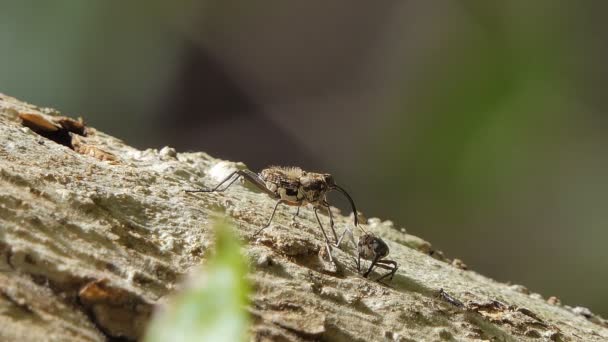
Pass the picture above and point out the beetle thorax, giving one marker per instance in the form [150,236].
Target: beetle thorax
[313,187]
[297,186]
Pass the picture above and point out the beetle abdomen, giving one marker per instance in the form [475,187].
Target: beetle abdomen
[370,247]
[284,182]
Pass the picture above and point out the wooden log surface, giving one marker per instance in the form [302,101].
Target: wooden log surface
[94,233]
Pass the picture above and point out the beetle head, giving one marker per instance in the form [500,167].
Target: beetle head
[329,180]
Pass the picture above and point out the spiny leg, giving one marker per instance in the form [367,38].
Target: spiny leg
[327,242]
[271,217]
[331,224]
[296,214]
[350,235]
[329,251]
[392,268]
[220,184]
[371,266]
[352,239]
[246,174]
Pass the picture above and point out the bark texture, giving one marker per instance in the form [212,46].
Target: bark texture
[94,233]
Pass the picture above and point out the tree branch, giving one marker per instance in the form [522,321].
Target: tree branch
[94,233]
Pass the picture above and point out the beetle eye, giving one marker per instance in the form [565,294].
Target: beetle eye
[329,179]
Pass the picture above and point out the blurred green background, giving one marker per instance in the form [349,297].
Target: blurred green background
[478,126]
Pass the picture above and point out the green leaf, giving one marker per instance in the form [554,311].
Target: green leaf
[213,305]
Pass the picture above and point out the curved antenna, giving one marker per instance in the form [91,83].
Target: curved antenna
[352,203]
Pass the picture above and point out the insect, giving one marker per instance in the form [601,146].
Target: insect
[449,298]
[292,186]
[371,247]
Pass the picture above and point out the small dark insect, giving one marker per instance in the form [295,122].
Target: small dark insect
[292,186]
[371,247]
[448,298]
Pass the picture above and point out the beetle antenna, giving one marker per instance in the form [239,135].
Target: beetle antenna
[352,203]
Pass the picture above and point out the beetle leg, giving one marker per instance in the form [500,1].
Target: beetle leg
[328,248]
[374,262]
[271,217]
[390,265]
[350,235]
[255,179]
[220,184]
[327,242]
[331,224]
[246,174]
[296,214]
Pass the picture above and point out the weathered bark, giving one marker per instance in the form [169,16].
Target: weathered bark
[93,235]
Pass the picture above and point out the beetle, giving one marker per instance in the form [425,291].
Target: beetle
[371,247]
[292,186]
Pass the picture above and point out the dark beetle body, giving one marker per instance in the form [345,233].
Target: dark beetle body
[371,247]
